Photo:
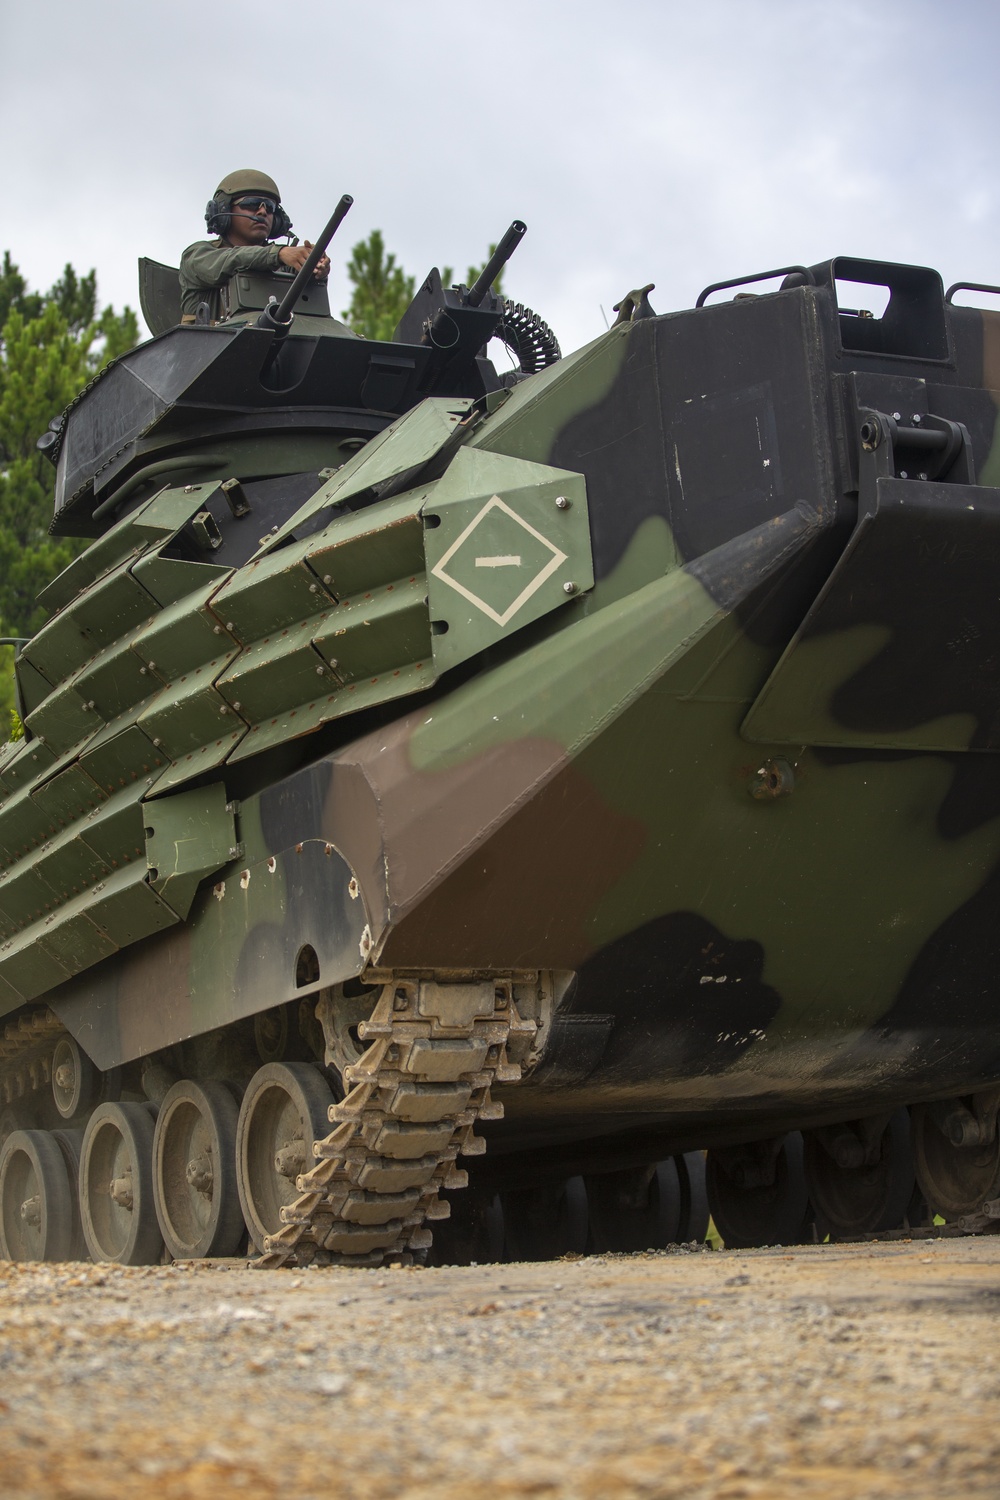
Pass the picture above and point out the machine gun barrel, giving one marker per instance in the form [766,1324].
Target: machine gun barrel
[496,262]
[282,312]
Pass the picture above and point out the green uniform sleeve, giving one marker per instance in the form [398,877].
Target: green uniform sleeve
[209,264]
[206,264]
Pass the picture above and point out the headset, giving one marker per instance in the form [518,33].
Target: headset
[218,215]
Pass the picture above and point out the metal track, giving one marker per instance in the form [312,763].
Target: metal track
[28,1029]
[26,1044]
[415,1096]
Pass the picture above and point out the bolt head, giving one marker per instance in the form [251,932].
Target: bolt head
[562,503]
[569,588]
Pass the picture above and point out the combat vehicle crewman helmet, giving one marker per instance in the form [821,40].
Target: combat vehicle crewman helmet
[218,215]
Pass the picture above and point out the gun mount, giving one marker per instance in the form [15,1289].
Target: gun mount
[243,396]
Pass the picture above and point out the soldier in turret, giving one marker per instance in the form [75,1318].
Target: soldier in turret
[246,215]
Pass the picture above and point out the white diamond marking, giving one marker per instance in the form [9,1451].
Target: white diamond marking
[558,558]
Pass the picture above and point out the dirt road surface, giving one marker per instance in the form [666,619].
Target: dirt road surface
[830,1371]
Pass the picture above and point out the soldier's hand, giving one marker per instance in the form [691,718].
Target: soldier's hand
[294,256]
[322,269]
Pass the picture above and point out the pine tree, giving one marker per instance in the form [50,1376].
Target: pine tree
[51,345]
[382,290]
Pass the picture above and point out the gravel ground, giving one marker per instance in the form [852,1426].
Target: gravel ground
[848,1371]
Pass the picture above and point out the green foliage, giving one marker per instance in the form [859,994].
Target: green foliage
[6,691]
[76,299]
[382,290]
[51,345]
[14,294]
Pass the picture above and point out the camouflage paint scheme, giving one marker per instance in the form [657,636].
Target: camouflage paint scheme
[729,764]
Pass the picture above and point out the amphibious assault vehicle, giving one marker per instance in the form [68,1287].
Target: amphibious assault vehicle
[593,762]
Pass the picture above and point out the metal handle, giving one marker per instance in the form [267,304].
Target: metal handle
[721,286]
[970,286]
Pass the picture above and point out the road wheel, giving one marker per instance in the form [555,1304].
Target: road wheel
[473,1233]
[695,1212]
[194,1171]
[75,1080]
[758,1195]
[70,1143]
[284,1111]
[116,1186]
[858,1197]
[14,1117]
[544,1222]
[36,1204]
[638,1209]
[955,1179]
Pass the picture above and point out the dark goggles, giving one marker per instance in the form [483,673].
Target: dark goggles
[252,205]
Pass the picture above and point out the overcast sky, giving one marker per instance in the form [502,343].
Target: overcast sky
[670,142]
